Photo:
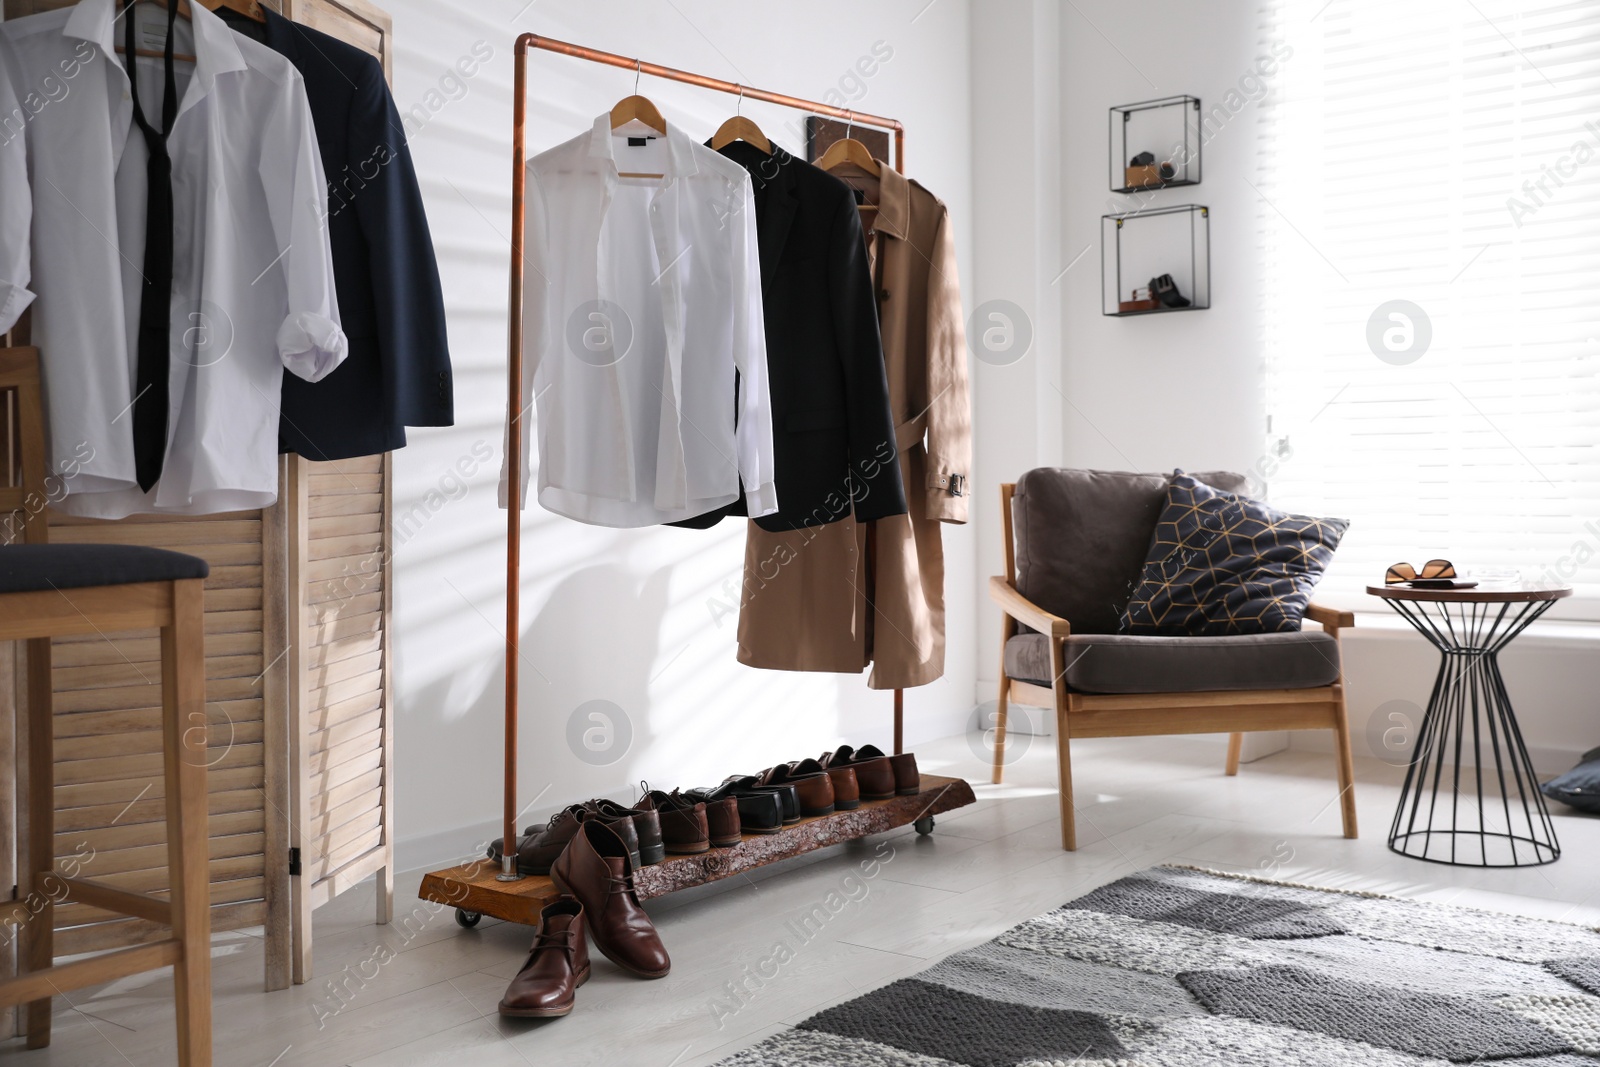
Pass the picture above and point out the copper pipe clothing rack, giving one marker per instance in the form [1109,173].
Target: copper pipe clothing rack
[526,42]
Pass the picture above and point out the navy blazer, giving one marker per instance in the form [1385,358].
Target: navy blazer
[390,303]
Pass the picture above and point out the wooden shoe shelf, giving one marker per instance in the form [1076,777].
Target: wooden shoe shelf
[475,890]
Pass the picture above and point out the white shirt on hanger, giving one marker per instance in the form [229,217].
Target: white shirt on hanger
[253,276]
[642,296]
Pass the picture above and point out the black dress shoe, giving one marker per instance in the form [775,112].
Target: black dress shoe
[760,810]
[787,793]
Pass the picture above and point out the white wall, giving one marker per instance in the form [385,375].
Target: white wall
[644,619]
[1157,392]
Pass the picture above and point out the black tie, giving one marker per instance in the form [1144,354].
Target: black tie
[150,401]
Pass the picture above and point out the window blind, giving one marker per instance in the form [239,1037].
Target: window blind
[1429,226]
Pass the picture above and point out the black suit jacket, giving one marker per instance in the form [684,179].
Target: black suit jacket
[832,431]
[397,373]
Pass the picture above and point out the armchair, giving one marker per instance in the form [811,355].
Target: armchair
[1075,543]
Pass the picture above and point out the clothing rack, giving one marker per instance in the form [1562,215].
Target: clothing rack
[525,42]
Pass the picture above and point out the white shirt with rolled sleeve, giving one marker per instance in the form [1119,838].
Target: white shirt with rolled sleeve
[641,298]
[252,288]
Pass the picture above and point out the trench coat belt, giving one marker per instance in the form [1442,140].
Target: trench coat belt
[910,432]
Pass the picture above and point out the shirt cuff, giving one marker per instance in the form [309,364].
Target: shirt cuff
[762,500]
[311,346]
[14,300]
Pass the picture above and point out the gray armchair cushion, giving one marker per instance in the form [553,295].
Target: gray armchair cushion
[1118,663]
[1082,537]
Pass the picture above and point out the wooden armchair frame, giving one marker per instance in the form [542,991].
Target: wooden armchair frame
[1233,712]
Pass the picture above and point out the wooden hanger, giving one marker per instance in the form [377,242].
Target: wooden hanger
[637,108]
[740,128]
[850,150]
[250,9]
[150,53]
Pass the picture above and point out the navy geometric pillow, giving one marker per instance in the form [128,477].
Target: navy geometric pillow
[1225,564]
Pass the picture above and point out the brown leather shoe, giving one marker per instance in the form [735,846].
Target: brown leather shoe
[539,847]
[907,781]
[558,963]
[846,790]
[874,775]
[596,870]
[722,821]
[684,827]
[815,789]
[646,828]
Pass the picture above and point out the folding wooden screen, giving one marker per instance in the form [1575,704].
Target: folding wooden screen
[299,699]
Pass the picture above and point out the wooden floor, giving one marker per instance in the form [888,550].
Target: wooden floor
[424,991]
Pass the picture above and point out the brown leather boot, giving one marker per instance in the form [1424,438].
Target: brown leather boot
[558,963]
[540,846]
[595,869]
[646,828]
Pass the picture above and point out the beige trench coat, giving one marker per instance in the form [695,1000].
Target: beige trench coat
[840,597]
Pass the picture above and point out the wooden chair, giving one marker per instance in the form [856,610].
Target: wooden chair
[55,590]
[1082,536]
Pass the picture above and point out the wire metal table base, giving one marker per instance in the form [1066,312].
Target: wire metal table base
[1471,798]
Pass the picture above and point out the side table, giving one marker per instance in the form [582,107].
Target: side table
[1471,798]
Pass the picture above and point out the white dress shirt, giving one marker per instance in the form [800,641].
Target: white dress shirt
[252,285]
[642,297]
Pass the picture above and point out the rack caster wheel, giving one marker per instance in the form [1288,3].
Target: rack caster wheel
[924,825]
[467,919]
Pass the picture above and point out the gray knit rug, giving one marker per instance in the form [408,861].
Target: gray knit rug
[1176,967]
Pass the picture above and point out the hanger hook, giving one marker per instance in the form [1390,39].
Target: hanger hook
[740,109]
[849,123]
[638,69]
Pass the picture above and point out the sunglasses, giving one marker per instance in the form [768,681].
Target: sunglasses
[1436,573]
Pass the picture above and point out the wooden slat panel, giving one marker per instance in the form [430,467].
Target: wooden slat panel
[353,749]
[218,780]
[135,834]
[364,725]
[334,714]
[334,484]
[353,829]
[145,696]
[161,535]
[363,544]
[150,808]
[343,670]
[344,772]
[365,810]
[219,735]
[138,768]
[334,796]
[335,526]
[335,626]
[101,936]
[239,889]
[146,650]
[322,866]
[350,504]
[343,649]
[103,675]
[354,466]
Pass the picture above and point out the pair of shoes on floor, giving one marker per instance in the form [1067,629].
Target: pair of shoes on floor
[594,874]
[639,828]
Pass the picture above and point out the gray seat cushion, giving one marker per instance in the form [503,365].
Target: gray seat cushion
[25,568]
[1118,663]
[1082,537]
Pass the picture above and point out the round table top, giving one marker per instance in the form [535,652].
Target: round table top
[1487,593]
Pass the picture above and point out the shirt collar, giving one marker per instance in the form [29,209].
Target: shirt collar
[215,50]
[680,160]
[894,202]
